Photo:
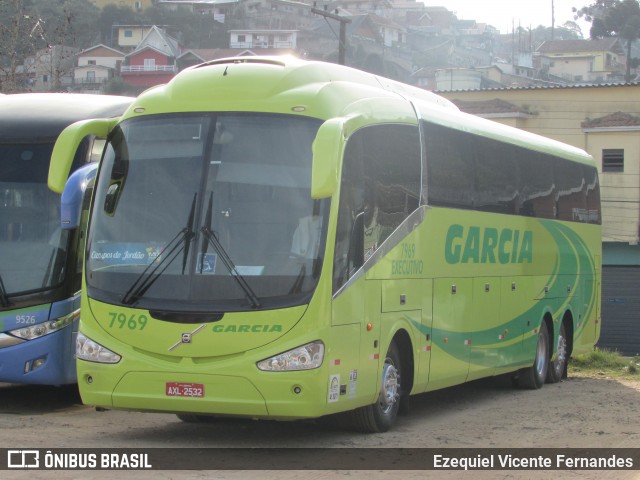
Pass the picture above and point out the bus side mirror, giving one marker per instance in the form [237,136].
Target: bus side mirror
[73,195]
[327,150]
[67,144]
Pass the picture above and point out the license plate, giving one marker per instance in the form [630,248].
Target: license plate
[176,389]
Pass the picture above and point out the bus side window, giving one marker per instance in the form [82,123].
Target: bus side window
[497,176]
[593,195]
[351,204]
[571,194]
[450,167]
[380,187]
[538,191]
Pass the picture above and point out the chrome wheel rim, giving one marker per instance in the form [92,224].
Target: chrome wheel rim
[390,388]
[540,355]
[561,353]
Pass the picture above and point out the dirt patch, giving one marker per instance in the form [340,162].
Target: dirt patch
[582,411]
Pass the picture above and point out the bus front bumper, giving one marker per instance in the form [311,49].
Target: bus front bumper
[291,395]
[46,360]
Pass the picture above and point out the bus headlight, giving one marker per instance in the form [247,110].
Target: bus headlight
[87,349]
[45,328]
[306,357]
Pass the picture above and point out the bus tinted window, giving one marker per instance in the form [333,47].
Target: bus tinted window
[392,179]
[474,172]
[497,176]
[593,194]
[450,168]
[538,187]
[381,182]
[571,197]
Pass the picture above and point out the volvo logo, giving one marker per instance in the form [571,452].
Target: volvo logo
[186,338]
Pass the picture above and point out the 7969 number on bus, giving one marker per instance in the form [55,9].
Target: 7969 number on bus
[176,389]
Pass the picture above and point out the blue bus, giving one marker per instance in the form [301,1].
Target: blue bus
[40,262]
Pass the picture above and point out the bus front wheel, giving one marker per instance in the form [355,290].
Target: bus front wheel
[534,376]
[380,416]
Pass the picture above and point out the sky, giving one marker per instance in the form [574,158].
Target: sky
[502,14]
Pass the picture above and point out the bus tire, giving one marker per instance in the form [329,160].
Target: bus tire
[381,416]
[534,376]
[558,365]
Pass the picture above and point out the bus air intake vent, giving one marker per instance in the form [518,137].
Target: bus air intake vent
[238,60]
[186,317]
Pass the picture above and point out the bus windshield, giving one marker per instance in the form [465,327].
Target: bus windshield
[33,248]
[207,212]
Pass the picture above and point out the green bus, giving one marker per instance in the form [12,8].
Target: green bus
[284,239]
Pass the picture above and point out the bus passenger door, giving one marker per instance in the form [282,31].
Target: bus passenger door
[452,322]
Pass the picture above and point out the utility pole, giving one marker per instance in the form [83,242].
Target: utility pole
[342,40]
[553,21]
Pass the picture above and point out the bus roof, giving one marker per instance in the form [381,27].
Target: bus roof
[275,84]
[45,115]
[323,90]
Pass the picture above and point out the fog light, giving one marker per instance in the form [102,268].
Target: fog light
[38,362]
[31,365]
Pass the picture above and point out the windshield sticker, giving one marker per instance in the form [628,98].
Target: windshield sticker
[206,264]
[250,270]
[112,254]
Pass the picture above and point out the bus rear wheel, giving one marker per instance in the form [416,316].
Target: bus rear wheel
[558,366]
[534,376]
[381,416]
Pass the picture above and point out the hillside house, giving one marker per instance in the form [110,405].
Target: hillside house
[153,61]
[582,60]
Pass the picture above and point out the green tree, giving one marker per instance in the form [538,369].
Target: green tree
[614,18]
[195,30]
[111,15]
[20,35]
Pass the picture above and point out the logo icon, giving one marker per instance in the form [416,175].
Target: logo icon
[186,338]
[23,459]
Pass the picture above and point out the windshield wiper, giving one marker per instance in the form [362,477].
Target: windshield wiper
[4,298]
[215,243]
[156,268]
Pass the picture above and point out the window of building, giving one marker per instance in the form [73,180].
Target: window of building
[91,62]
[613,160]
[149,63]
[242,38]
[128,33]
